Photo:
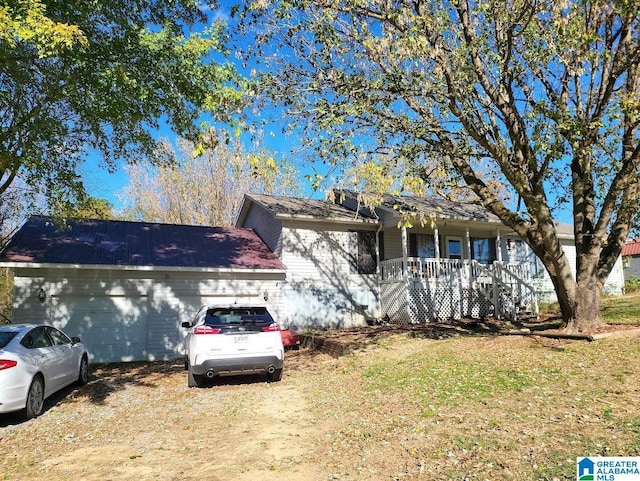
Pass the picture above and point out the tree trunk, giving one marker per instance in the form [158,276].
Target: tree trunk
[579,301]
[583,312]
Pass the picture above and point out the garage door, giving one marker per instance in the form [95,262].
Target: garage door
[114,328]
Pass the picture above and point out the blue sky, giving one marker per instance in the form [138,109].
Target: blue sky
[107,185]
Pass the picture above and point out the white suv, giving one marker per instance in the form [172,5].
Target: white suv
[232,340]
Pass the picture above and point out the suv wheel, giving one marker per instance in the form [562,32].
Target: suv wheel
[274,376]
[193,380]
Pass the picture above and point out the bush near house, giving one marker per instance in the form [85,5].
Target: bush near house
[6,288]
[632,285]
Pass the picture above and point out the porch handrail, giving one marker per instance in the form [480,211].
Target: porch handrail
[521,270]
[495,283]
[393,270]
[508,276]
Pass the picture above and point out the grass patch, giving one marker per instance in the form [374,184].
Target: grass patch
[495,407]
[622,309]
[615,309]
[447,376]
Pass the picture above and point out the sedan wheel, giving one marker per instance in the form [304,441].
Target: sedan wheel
[35,398]
[83,375]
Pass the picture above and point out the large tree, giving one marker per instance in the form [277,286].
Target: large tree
[206,189]
[90,77]
[532,105]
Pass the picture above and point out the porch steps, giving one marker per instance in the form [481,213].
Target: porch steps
[511,296]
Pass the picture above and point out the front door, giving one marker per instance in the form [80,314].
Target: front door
[454,247]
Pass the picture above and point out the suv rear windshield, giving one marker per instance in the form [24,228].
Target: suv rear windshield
[5,338]
[237,315]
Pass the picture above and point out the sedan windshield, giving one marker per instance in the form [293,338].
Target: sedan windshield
[5,338]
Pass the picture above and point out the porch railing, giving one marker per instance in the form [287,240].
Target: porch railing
[508,291]
[421,268]
[507,286]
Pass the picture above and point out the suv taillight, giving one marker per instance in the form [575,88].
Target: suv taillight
[271,327]
[206,330]
[6,364]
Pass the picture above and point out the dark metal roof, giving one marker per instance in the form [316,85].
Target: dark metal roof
[121,243]
[307,208]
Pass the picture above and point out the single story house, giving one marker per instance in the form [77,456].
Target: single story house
[348,264]
[631,259]
[125,287]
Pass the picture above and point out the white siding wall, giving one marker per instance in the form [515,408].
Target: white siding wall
[615,282]
[134,315]
[266,226]
[392,243]
[323,288]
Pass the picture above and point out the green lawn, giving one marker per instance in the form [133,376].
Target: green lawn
[615,309]
[479,407]
[622,309]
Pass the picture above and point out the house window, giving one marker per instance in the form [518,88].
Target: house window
[483,250]
[422,245]
[365,258]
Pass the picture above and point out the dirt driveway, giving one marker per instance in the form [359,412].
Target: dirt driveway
[141,422]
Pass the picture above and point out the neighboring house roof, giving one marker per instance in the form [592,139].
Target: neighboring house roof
[138,244]
[302,209]
[631,248]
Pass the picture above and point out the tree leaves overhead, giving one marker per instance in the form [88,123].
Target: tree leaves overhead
[529,106]
[104,76]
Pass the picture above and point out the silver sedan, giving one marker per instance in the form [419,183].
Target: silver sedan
[36,360]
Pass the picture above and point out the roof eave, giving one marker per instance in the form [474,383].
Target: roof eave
[45,265]
[336,220]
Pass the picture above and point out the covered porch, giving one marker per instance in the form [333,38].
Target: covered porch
[479,276]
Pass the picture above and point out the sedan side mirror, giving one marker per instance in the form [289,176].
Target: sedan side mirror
[76,340]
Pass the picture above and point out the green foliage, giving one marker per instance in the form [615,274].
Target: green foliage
[26,22]
[632,285]
[6,294]
[80,77]
[86,208]
[520,106]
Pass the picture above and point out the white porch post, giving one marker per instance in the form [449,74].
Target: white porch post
[436,241]
[467,265]
[403,231]
[467,239]
[405,269]
[498,247]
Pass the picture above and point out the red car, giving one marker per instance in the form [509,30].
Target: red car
[290,339]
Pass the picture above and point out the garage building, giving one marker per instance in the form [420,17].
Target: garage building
[125,287]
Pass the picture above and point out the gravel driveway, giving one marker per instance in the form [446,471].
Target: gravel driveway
[140,421]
